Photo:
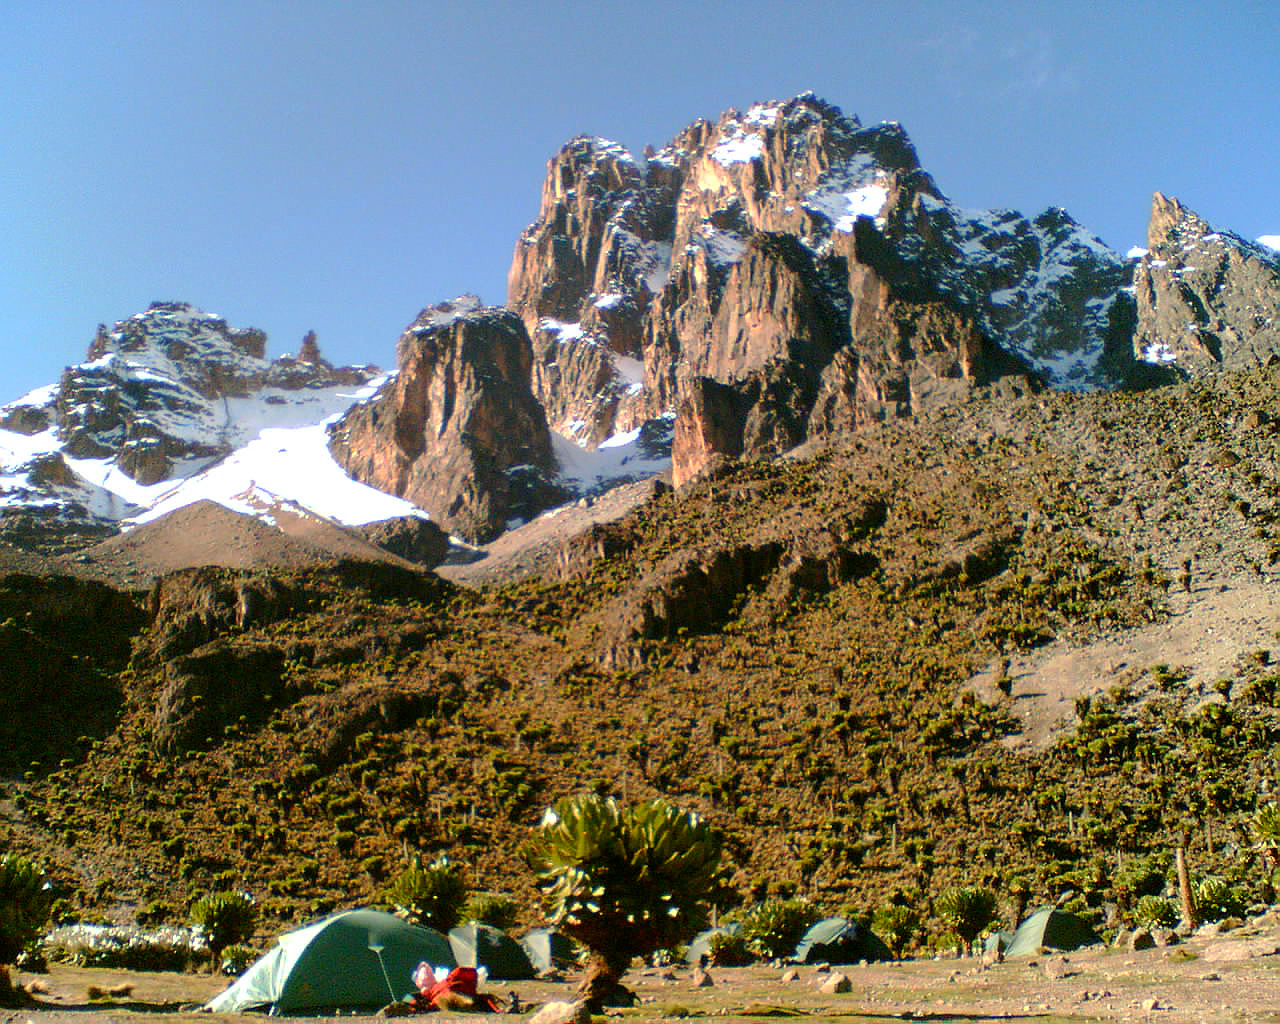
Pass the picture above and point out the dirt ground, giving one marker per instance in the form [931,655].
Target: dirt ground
[1225,979]
[1206,632]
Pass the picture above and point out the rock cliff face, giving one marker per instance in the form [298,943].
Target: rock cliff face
[457,430]
[1205,298]
[786,273]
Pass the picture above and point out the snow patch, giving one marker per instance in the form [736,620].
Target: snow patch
[721,246]
[1270,241]
[618,459]
[563,332]
[844,208]
[445,313]
[296,464]
[1136,253]
[738,148]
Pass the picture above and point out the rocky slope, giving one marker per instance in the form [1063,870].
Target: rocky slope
[788,646]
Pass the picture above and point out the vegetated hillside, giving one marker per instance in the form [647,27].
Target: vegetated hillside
[784,647]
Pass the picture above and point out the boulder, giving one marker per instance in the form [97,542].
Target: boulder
[836,984]
[575,1012]
[411,537]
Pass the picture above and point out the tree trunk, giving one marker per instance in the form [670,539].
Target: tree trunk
[8,994]
[1189,917]
[602,985]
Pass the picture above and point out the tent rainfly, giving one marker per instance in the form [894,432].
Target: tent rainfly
[1052,929]
[482,945]
[548,949]
[356,959]
[837,940]
[701,943]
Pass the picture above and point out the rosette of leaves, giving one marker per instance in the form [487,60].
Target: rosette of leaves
[224,919]
[25,902]
[967,910]
[429,894]
[1154,912]
[623,881]
[1266,831]
[773,927]
[1216,899]
[493,909]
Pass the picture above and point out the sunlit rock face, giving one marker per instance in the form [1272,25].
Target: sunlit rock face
[1205,298]
[457,430]
[810,270]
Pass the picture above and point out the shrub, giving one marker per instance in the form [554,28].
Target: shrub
[431,894]
[967,910]
[26,900]
[1154,912]
[1216,898]
[1140,876]
[224,918]
[492,908]
[236,958]
[773,928]
[725,950]
[897,926]
[624,881]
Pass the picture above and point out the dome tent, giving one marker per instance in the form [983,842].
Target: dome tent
[482,945]
[353,959]
[701,943]
[1053,929]
[838,940]
[548,949]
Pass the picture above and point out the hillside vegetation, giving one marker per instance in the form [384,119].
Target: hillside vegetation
[785,647]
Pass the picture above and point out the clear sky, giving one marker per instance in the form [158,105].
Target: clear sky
[337,166]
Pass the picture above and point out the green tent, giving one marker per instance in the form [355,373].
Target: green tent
[357,959]
[482,945]
[548,950]
[837,940]
[1053,929]
[701,944]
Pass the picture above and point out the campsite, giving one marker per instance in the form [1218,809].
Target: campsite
[1224,978]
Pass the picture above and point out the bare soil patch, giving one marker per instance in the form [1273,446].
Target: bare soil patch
[1206,633]
[206,533]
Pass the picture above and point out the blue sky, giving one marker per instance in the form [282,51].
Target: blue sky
[339,166]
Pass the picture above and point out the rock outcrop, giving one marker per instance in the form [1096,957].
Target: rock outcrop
[1205,298]
[161,396]
[787,273]
[457,430]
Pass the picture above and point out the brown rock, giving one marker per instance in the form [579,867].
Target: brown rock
[1205,298]
[575,1012]
[457,430]
[1141,939]
[836,984]
[411,537]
